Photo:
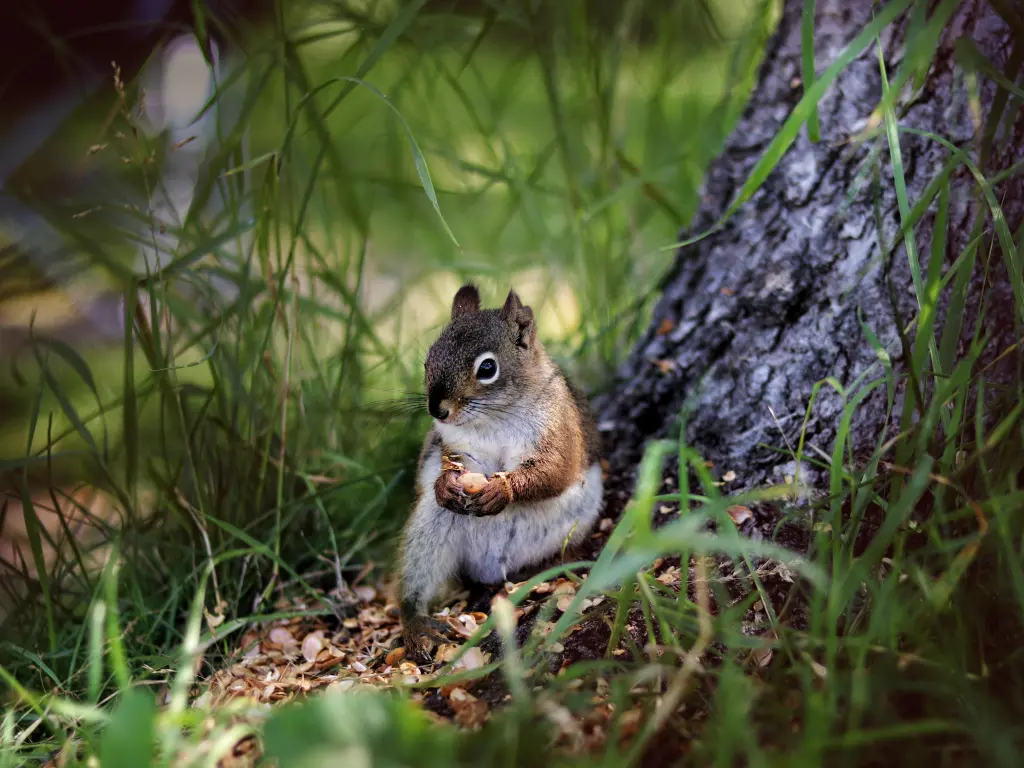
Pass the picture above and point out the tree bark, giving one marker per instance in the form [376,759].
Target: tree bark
[752,316]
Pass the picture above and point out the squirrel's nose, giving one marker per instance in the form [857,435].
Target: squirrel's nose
[438,403]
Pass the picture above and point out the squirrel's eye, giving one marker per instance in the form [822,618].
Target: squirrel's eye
[486,369]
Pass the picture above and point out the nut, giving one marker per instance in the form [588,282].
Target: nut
[472,482]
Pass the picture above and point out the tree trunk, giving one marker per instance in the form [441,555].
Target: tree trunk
[752,316]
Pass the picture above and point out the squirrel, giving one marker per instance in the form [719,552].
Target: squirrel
[504,409]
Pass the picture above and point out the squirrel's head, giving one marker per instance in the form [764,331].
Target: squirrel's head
[483,361]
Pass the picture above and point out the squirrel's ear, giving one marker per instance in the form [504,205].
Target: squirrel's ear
[466,300]
[520,317]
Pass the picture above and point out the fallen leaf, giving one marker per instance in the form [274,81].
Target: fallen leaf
[671,576]
[763,656]
[739,514]
[394,656]
[474,658]
[470,712]
[250,644]
[213,620]
[564,586]
[665,366]
[445,652]
[312,645]
[365,593]
[281,636]
[727,291]
[448,464]
[729,476]
[785,573]
[665,326]
[465,625]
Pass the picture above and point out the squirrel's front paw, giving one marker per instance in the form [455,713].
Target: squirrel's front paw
[492,499]
[448,492]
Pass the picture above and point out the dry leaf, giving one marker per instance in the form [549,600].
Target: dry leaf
[464,626]
[665,326]
[664,365]
[250,644]
[739,514]
[564,586]
[365,593]
[729,476]
[281,636]
[470,712]
[474,658]
[763,656]
[448,464]
[394,656]
[445,652]
[312,645]
[213,620]
[671,576]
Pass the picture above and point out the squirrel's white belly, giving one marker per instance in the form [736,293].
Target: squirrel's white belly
[492,548]
[526,533]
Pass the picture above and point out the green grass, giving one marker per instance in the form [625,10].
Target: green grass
[245,442]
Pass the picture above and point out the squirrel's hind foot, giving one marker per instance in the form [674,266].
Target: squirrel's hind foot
[420,634]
